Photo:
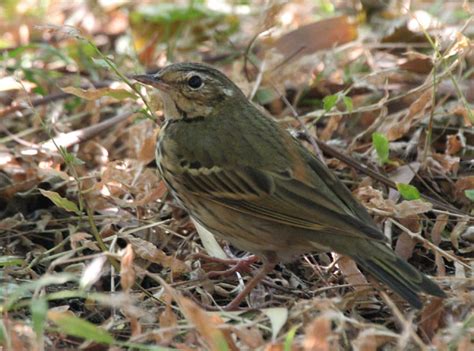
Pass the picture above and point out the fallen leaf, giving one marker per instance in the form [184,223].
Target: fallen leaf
[146,250]
[308,39]
[318,335]
[95,94]
[431,317]
[278,317]
[127,272]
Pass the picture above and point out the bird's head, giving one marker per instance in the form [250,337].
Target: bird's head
[191,90]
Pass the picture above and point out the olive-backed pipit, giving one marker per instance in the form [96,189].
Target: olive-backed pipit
[246,179]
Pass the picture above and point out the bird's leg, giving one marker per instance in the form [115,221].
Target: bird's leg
[237,265]
[268,266]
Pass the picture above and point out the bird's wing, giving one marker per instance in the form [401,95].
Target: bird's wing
[283,198]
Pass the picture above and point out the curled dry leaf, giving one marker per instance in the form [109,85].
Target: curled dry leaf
[461,185]
[207,325]
[373,199]
[127,272]
[150,252]
[440,224]
[95,94]
[168,322]
[81,239]
[250,336]
[445,164]
[351,272]
[404,246]
[454,144]
[372,339]
[431,317]
[399,127]
[141,142]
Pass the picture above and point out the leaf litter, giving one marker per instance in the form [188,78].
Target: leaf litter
[96,254]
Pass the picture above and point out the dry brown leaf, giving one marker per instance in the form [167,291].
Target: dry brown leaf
[141,142]
[146,250]
[449,164]
[331,127]
[453,144]
[440,224]
[127,272]
[318,335]
[458,229]
[94,94]
[416,109]
[411,208]
[308,39]
[351,272]
[373,199]
[205,324]
[404,246]
[461,185]
[168,323]
[371,339]
[250,336]
[465,114]
[81,239]
[417,63]
[431,317]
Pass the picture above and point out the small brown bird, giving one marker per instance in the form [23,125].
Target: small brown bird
[247,180]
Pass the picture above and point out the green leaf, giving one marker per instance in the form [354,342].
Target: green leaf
[7,261]
[469,194]
[39,308]
[60,201]
[74,326]
[348,103]
[409,192]
[69,158]
[329,102]
[289,338]
[3,333]
[382,146]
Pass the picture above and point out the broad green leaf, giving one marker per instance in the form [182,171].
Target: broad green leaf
[382,146]
[408,192]
[60,201]
[329,102]
[469,194]
[74,326]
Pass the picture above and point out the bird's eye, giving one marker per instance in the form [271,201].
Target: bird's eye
[195,82]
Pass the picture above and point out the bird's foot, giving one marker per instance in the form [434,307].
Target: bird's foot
[236,264]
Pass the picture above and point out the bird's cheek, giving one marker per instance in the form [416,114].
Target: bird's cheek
[170,110]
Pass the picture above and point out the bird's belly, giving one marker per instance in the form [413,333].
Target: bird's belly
[248,233]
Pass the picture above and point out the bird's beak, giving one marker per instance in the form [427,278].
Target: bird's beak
[152,80]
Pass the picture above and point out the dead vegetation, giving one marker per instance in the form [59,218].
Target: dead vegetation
[96,255]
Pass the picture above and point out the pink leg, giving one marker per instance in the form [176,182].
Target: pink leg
[238,265]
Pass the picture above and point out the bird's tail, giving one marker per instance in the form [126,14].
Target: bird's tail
[400,276]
